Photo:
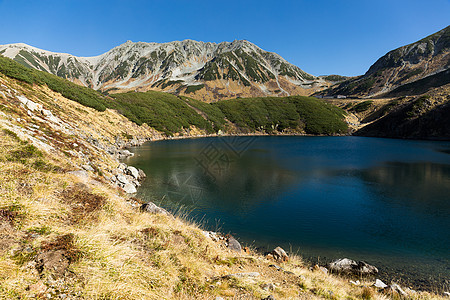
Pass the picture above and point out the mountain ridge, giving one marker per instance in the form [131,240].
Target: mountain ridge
[404,65]
[204,70]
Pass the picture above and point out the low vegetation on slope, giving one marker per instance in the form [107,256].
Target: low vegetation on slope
[295,113]
[168,113]
[72,91]
[175,114]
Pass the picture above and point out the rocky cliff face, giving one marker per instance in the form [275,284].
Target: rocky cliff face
[402,66]
[206,71]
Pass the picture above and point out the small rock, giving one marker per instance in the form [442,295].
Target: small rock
[122,178]
[129,188]
[397,289]
[142,174]
[233,244]
[279,254]
[447,294]
[219,298]
[357,282]
[133,172]
[278,268]
[351,267]
[380,284]
[125,153]
[152,208]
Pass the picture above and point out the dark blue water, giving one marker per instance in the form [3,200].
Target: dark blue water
[381,200]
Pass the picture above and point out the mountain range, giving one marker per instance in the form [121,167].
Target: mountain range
[205,71]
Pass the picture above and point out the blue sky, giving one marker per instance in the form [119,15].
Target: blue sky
[320,36]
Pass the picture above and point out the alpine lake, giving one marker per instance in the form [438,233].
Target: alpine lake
[384,201]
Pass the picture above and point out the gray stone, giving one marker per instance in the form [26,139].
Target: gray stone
[351,267]
[129,188]
[142,174]
[276,267]
[397,289]
[133,172]
[357,282]
[125,153]
[233,244]
[380,284]
[279,254]
[447,294]
[122,178]
[152,208]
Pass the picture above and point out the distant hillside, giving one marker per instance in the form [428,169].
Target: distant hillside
[420,117]
[171,114]
[406,65]
[205,71]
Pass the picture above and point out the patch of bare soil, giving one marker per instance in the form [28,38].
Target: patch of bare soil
[83,203]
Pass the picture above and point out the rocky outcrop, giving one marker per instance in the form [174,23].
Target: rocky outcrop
[128,178]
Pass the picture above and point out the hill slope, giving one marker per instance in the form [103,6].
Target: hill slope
[403,66]
[206,71]
[176,115]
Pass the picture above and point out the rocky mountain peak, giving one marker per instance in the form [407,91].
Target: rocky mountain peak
[207,71]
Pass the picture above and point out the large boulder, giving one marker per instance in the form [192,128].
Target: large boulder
[350,267]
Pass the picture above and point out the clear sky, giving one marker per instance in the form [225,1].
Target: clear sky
[320,36]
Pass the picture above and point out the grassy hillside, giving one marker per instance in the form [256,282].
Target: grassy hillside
[270,114]
[72,91]
[174,114]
